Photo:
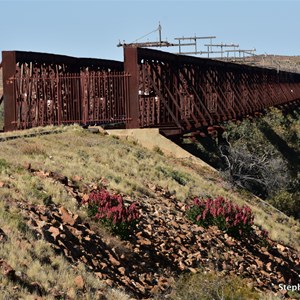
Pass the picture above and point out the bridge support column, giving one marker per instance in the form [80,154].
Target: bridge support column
[9,71]
[131,66]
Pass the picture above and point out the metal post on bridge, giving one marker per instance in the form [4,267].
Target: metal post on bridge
[9,71]
[131,66]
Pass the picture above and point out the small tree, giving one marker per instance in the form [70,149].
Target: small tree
[262,175]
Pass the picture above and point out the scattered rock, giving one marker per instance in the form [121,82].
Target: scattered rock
[122,270]
[281,248]
[66,216]
[113,260]
[54,231]
[76,178]
[6,269]
[3,236]
[165,243]
[79,282]
[58,177]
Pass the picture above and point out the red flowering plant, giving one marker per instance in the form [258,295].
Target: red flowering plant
[233,219]
[111,211]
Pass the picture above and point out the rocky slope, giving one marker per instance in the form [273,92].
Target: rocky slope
[164,245]
[50,248]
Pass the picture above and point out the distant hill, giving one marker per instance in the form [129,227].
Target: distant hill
[278,62]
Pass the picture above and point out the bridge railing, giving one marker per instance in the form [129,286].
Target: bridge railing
[42,89]
[86,98]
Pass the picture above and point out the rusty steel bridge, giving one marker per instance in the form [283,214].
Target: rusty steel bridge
[176,93]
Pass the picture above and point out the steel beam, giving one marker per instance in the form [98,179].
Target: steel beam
[216,90]
[131,66]
[9,71]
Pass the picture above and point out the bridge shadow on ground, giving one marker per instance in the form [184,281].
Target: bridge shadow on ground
[291,155]
[204,148]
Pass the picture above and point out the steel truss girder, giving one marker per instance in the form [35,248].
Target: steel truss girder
[42,89]
[195,92]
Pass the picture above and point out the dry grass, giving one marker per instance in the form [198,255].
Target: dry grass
[127,167]
[207,286]
[38,263]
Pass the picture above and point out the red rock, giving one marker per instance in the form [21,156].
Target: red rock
[269,266]
[281,248]
[178,240]
[66,216]
[283,292]
[198,229]
[241,269]
[79,282]
[99,275]
[113,261]
[103,265]
[280,278]
[6,269]
[40,224]
[192,270]
[259,263]
[259,282]
[145,241]
[278,260]
[140,287]
[155,290]
[74,231]
[229,242]
[226,255]
[94,262]
[76,178]
[163,284]
[85,198]
[181,266]
[174,224]
[54,231]
[109,282]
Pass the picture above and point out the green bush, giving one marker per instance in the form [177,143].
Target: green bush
[253,153]
[208,286]
[287,202]
[177,176]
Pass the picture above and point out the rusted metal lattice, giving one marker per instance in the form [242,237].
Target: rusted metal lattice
[175,93]
[85,98]
[42,89]
[180,93]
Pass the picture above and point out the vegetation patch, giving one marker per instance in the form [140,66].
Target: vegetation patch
[233,219]
[111,211]
[207,286]
[260,155]
[179,177]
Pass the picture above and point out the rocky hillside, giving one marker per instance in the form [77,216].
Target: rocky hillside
[50,248]
[278,62]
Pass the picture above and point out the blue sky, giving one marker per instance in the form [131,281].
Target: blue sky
[94,28]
